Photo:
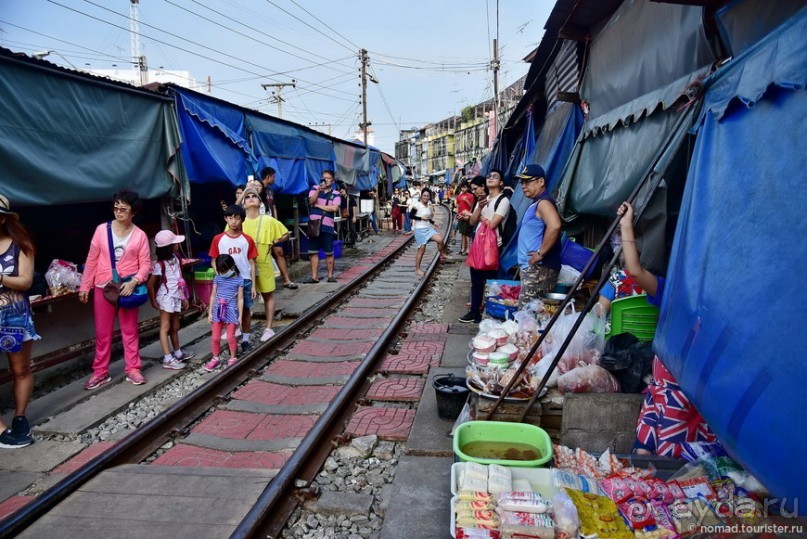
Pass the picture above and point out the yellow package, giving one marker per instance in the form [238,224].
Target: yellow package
[599,515]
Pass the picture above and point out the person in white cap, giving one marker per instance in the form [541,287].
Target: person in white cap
[168,293]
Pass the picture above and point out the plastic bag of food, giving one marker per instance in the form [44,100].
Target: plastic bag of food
[62,277]
[587,344]
[565,515]
[588,379]
[568,275]
[540,368]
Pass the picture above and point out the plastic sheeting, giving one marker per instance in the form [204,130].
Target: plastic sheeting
[743,22]
[734,309]
[642,47]
[214,140]
[68,138]
[552,149]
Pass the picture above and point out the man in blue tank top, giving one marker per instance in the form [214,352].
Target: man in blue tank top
[539,237]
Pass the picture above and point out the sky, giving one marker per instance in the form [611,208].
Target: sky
[431,57]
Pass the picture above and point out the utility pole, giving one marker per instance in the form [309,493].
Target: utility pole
[495,65]
[276,94]
[365,123]
[138,60]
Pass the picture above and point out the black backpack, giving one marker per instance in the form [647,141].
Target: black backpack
[508,226]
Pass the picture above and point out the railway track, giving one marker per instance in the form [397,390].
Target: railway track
[328,353]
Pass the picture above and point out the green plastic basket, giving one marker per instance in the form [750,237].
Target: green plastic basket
[635,316]
[503,431]
[206,275]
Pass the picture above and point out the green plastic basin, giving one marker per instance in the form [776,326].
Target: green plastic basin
[503,431]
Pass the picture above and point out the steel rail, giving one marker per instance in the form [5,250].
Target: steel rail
[148,438]
[257,519]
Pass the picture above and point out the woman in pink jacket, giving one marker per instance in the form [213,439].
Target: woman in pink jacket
[132,257]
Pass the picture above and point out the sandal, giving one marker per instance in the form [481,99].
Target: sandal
[309,280]
[332,280]
[290,286]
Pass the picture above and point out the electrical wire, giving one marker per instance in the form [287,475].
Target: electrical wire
[315,29]
[355,47]
[258,31]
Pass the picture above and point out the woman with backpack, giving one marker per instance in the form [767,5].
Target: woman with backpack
[490,212]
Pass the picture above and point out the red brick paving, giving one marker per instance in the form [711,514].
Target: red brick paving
[347,334]
[331,349]
[13,504]
[229,424]
[304,369]
[396,389]
[269,393]
[188,455]
[428,328]
[344,322]
[387,423]
[427,337]
[432,350]
[278,427]
[84,457]
[387,301]
[363,312]
[404,364]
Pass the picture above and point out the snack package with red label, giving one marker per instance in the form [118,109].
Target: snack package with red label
[725,489]
[675,490]
[616,489]
[477,533]
[660,491]
[637,513]
[697,487]
[662,516]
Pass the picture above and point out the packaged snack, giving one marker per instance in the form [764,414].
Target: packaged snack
[565,514]
[485,519]
[659,491]
[484,344]
[510,349]
[688,515]
[526,502]
[528,524]
[599,515]
[499,335]
[675,490]
[477,533]
[616,489]
[475,470]
[697,487]
[480,358]
[564,479]
[464,506]
[662,516]
[724,489]
[498,483]
[469,495]
[499,359]
[496,470]
[637,513]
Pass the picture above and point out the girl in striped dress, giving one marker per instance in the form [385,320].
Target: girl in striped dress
[225,309]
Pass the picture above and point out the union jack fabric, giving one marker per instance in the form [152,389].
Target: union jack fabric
[668,418]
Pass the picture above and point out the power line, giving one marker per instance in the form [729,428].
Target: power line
[255,30]
[262,75]
[326,25]
[315,29]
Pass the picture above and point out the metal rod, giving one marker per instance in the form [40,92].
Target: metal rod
[271,495]
[645,177]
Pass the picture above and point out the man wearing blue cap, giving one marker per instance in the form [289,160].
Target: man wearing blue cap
[538,238]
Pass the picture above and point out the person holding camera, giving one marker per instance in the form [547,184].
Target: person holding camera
[325,202]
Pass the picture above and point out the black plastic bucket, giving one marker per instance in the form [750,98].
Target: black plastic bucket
[452,392]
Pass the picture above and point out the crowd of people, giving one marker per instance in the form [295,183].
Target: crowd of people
[120,275]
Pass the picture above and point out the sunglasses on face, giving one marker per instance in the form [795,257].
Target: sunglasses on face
[251,196]
[121,209]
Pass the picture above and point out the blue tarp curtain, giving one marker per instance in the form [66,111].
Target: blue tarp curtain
[68,139]
[731,324]
[214,140]
[353,166]
[552,149]
[298,156]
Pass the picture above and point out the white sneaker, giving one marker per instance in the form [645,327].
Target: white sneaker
[238,332]
[173,364]
[268,333]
